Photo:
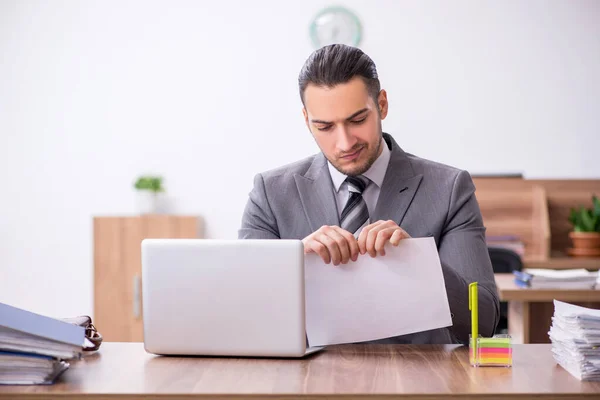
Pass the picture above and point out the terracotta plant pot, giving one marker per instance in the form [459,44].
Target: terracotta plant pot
[585,244]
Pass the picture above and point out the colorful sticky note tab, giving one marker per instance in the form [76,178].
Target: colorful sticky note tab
[494,351]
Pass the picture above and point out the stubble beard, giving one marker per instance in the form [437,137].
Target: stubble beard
[361,169]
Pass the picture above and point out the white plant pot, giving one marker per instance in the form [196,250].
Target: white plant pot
[148,202]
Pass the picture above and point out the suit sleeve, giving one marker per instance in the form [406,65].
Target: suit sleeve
[464,257]
[258,221]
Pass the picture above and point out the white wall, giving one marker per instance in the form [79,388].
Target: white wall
[94,93]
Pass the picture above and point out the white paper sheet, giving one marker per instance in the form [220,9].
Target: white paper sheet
[375,298]
[564,309]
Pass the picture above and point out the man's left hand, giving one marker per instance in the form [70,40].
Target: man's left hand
[373,237]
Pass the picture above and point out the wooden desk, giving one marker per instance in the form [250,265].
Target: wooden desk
[125,370]
[558,261]
[530,310]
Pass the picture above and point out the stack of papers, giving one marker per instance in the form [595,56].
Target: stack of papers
[556,279]
[18,368]
[575,337]
[34,348]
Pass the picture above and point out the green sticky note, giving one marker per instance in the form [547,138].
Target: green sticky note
[494,342]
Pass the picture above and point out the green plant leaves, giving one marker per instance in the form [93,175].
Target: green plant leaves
[586,219]
[587,222]
[152,183]
[573,217]
[596,203]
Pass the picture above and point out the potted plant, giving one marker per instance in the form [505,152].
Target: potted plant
[586,230]
[149,189]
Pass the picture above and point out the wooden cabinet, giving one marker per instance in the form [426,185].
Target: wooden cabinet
[520,211]
[118,269]
[537,211]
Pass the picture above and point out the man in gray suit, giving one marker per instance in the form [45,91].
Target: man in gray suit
[363,191]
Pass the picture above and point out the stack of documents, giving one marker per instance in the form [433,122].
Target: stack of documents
[575,337]
[29,369]
[34,348]
[556,279]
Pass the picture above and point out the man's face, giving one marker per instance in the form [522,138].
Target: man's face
[346,124]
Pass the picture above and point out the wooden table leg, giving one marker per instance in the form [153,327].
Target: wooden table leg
[518,321]
[540,319]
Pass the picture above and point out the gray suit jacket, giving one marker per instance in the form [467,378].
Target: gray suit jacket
[423,197]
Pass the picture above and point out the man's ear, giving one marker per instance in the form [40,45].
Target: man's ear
[305,117]
[382,103]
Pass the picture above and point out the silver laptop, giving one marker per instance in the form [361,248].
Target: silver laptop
[224,297]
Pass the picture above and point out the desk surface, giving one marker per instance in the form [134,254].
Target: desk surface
[125,370]
[560,261]
[509,291]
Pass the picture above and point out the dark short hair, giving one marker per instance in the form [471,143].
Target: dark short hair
[338,63]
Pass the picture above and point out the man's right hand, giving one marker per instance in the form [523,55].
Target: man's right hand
[332,244]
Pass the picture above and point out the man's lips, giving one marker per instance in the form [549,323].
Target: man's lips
[352,156]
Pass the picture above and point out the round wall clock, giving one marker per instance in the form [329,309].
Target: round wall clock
[335,25]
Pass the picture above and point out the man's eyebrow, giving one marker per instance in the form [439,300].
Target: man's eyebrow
[356,114]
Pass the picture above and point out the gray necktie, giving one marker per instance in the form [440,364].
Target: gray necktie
[355,213]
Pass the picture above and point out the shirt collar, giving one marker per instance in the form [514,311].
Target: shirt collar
[376,173]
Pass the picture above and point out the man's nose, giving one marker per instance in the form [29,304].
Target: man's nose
[345,140]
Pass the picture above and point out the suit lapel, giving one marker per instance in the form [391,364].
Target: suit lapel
[399,186]
[316,194]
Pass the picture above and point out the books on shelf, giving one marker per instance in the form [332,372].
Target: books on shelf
[575,337]
[539,278]
[35,349]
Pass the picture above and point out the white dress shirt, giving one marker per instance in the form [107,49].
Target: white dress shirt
[376,174]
